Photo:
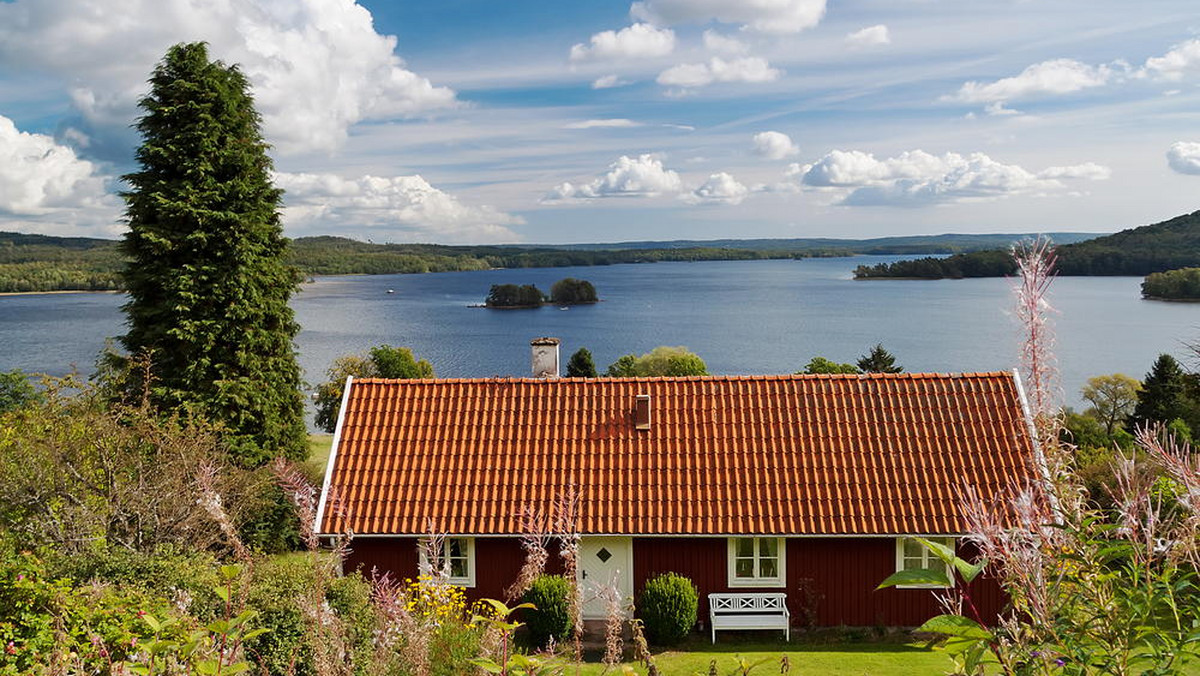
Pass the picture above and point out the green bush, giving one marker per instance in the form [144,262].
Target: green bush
[549,594]
[186,576]
[668,606]
[50,621]
[280,588]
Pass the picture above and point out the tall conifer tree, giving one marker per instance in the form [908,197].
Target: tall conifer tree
[207,280]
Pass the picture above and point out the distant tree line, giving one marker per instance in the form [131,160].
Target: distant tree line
[1154,248]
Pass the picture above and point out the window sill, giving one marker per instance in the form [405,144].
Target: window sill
[773,583]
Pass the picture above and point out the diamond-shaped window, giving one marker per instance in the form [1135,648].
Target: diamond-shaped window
[604,555]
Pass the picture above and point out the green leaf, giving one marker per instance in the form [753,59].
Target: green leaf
[946,554]
[969,571]
[919,577]
[956,625]
[487,665]
[154,624]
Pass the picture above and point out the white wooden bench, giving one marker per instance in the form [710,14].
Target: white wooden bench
[749,611]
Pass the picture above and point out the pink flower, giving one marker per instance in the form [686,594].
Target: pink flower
[11,648]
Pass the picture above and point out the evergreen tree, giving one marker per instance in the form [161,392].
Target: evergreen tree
[1163,396]
[207,279]
[581,364]
[879,360]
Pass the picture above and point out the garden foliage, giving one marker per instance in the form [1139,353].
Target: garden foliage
[551,615]
[667,607]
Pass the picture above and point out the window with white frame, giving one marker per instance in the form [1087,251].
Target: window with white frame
[757,562]
[457,558]
[912,555]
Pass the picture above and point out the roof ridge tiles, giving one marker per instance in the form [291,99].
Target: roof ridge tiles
[925,375]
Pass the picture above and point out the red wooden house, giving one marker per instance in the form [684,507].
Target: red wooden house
[809,485]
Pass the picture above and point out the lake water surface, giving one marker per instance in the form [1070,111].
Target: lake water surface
[742,317]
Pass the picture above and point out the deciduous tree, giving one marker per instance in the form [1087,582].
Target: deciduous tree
[207,279]
[823,365]
[384,361]
[661,361]
[1113,398]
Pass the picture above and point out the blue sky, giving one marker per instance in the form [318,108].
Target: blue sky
[478,122]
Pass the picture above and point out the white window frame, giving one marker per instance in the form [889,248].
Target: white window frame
[426,567]
[929,560]
[731,560]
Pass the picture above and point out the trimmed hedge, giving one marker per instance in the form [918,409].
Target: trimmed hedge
[668,606]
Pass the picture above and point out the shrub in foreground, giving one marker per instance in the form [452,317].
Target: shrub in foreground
[668,607]
[550,595]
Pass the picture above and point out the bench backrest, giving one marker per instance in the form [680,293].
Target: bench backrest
[724,603]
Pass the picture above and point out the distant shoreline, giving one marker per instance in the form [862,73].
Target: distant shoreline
[61,291]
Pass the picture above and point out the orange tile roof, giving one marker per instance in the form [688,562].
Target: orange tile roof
[870,454]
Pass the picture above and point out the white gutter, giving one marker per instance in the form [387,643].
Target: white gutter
[333,451]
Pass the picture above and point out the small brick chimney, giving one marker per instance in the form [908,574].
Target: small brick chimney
[545,357]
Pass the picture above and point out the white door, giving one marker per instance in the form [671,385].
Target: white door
[603,561]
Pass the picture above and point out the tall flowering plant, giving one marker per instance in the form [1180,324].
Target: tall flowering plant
[1090,591]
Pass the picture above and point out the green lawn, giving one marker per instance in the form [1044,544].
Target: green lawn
[319,446]
[848,658]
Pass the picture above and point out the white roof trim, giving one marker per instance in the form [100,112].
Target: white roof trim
[333,450]
[1039,457]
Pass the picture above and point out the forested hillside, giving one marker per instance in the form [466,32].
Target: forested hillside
[1137,251]
[41,263]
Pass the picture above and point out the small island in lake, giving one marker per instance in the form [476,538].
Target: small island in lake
[568,291]
[1180,285]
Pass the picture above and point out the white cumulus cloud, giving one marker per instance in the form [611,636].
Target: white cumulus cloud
[723,44]
[641,176]
[720,188]
[750,69]
[870,36]
[765,16]
[1181,60]
[46,188]
[774,145]
[317,67]
[918,178]
[639,41]
[399,208]
[1184,157]
[1058,76]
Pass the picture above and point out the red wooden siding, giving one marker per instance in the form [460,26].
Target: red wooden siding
[497,562]
[841,574]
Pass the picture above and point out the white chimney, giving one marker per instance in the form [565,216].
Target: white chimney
[545,357]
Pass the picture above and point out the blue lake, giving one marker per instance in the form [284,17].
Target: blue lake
[743,317]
